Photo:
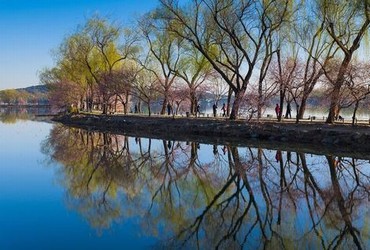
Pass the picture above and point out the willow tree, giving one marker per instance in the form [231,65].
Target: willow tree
[71,59]
[356,86]
[275,40]
[9,96]
[69,75]
[145,88]
[230,34]
[316,50]
[195,70]
[63,91]
[107,55]
[347,22]
[95,55]
[162,56]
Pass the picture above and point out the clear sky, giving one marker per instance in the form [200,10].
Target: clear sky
[31,29]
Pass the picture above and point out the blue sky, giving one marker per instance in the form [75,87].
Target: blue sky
[31,29]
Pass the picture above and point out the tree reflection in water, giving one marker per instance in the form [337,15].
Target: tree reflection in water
[12,115]
[214,196]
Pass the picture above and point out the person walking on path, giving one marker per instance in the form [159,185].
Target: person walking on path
[288,111]
[169,107]
[277,110]
[214,110]
[223,110]
[198,111]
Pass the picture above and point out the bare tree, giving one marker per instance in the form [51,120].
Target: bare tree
[315,50]
[230,34]
[355,88]
[346,22]
[163,55]
[145,88]
[195,70]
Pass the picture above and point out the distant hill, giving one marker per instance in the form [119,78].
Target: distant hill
[36,89]
[37,94]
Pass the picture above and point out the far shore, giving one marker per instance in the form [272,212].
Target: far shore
[312,137]
[28,105]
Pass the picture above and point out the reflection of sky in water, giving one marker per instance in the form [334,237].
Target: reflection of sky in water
[20,156]
[37,210]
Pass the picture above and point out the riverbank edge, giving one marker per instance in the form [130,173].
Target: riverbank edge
[318,138]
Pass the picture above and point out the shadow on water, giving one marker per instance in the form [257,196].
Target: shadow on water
[192,195]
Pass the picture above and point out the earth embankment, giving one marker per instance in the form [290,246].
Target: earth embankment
[309,137]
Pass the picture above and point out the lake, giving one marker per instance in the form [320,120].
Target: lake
[69,188]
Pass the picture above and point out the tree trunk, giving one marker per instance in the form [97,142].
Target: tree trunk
[126,107]
[149,109]
[139,106]
[354,112]
[115,104]
[89,98]
[164,105]
[302,107]
[229,94]
[236,105]
[334,104]
[297,114]
[193,102]
[87,101]
[105,106]
[282,87]
[260,96]
[282,97]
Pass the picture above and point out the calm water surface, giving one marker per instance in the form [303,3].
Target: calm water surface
[67,188]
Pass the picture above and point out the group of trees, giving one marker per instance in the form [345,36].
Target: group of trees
[250,50]
[30,95]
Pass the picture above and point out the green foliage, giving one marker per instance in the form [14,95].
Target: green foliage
[31,95]
[184,43]
[87,62]
[9,96]
[72,110]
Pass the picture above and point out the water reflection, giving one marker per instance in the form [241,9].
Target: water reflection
[10,115]
[188,195]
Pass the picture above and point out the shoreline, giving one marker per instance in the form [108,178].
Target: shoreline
[318,138]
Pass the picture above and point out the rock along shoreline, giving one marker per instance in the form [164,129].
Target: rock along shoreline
[310,137]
